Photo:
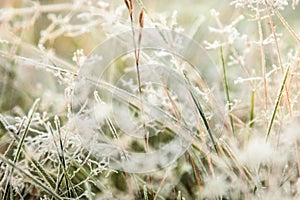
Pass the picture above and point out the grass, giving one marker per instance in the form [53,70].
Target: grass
[234,117]
[227,90]
[277,103]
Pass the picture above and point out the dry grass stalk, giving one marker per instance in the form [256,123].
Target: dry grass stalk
[263,58]
[129,6]
[137,56]
[137,45]
[278,55]
[290,29]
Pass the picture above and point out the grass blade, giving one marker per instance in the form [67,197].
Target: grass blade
[31,177]
[86,173]
[30,116]
[43,172]
[277,103]
[252,108]
[63,160]
[201,112]
[284,22]
[20,146]
[227,90]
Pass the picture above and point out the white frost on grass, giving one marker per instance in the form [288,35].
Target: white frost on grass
[215,187]
[256,152]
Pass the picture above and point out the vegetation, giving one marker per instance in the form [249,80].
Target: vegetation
[149,100]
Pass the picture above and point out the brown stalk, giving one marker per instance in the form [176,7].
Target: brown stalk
[196,173]
[210,165]
[129,6]
[137,58]
[174,107]
[242,169]
[289,28]
[137,55]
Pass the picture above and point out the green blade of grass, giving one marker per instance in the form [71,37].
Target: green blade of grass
[252,109]
[277,103]
[145,192]
[88,190]
[48,190]
[201,112]
[227,90]
[30,116]
[107,119]
[96,182]
[63,160]
[37,165]
[20,146]
[40,168]
[43,172]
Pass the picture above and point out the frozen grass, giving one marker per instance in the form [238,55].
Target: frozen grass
[245,144]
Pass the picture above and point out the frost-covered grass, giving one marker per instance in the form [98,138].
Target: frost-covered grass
[62,124]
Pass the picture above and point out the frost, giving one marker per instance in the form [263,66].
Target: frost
[3,41]
[215,187]
[79,57]
[280,4]
[257,152]
[214,45]
[92,118]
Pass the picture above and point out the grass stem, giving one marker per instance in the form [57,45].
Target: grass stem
[277,103]
[227,91]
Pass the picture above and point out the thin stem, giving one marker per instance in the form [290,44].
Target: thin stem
[252,109]
[227,91]
[201,113]
[277,103]
[289,28]
[262,56]
[31,177]
[279,56]
[20,146]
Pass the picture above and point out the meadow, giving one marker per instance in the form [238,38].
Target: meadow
[141,99]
